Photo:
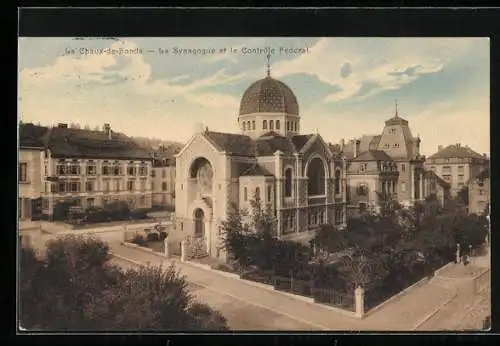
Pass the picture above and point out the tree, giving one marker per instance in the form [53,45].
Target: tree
[251,244]
[361,268]
[235,236]
[151,298]
[462,197]
[388,203]
[76,288]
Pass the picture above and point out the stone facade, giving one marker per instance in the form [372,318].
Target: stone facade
[297,176]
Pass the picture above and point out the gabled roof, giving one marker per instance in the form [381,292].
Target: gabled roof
[300,140]
[31,136]
[69,142]
[231,143]
[256,170]
[456,151]
[265,145]
[373,155]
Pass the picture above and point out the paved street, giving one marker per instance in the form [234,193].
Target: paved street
[253,308]
[241,315]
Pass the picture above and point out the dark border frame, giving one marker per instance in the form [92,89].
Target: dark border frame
[406,22]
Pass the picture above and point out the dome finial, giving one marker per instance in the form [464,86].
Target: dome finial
[396,102]
[268,65]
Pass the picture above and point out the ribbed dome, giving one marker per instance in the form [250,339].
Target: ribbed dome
[269,95]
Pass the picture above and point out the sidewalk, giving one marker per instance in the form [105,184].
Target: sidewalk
[400,315]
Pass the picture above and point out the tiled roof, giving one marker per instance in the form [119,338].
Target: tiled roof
[31,135]
[373,155]
[256,170]
[456,151]
[269,95]
[231,143]
[300,140]
[265,145]
[68,142]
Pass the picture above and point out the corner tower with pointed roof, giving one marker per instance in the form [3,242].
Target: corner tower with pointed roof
[398,142]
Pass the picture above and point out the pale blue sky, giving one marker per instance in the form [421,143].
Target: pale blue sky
[346,87]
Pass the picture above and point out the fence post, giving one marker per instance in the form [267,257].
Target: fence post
[359,295]
[183,251]
[165,244]
[458,253]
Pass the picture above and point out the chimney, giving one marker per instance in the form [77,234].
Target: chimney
[107,130]
[440,147]
[62,126]
[355,147]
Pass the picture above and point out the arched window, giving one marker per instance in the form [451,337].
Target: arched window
[244,125]
[253,124]
[403,168]
[257,193]
[164,186]
[277,124]
[245,196]
[316,177]
[248,125]
[295,126]
[337,181]
[264,124]
[288,126]
[271,125]
[288,182]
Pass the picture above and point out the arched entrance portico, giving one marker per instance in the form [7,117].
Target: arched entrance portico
[200,234]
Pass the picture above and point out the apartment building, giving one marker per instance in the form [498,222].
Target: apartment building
[91,168]
[30,174]
[456,164]
[480,193]
[163,179]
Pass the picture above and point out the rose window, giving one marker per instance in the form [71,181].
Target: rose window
[204,178]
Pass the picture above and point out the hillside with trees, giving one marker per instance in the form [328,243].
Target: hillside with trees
[171,147]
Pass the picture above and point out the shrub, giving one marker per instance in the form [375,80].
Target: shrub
[75,288]
[139,240]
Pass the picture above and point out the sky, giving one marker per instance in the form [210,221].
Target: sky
[346,87]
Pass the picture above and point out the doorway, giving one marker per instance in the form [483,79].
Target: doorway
[199,223]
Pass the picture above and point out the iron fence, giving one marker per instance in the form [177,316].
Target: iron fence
[331,297]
